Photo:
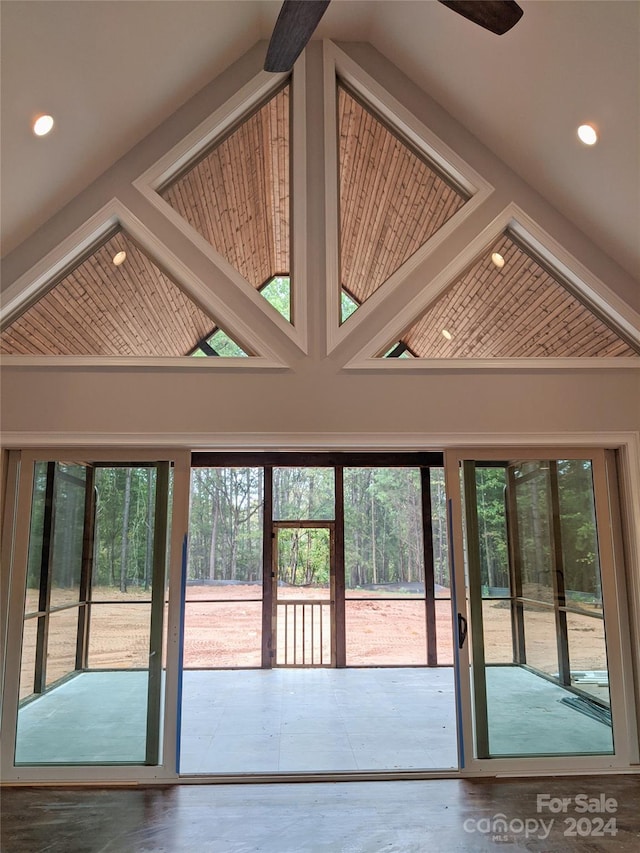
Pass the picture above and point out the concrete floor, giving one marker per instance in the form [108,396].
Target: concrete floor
[286,720]
[526,717]
[437,816]
[318,719]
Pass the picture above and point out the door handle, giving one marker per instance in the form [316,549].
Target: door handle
[462,630]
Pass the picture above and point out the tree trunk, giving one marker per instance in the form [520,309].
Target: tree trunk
[374,567]
[214,542]
[148,554]
[125,531]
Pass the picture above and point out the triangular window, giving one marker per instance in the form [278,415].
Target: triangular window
[348,305]
[277,292]
[237,195]
[508,305]
[392,200]
[116,302]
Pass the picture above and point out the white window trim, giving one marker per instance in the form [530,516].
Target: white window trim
[486,445]
[92,232]
[337,64]
[248,97]
[514,219]
[615,592]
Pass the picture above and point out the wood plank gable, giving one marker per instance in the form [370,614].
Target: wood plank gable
[100,309]
[238,195]
[391,199]
[518,311]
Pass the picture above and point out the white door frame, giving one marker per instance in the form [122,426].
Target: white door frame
[164,772]
[615,611]
[105,447]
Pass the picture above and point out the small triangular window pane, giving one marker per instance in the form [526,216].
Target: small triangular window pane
[277,292]
[398,350]
[508,305]
[116,302]
[219,345]
[347,305]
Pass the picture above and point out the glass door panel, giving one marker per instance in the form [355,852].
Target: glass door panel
[91,669]
[540,681]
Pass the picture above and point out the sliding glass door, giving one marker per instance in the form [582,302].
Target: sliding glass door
[534,543]
[90,573]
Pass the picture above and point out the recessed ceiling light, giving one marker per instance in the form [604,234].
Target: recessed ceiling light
[119,258]
[587,134]
[42,125]
[497,260]
[447,334]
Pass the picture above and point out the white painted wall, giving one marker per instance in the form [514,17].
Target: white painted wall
[317,398]
[314,395]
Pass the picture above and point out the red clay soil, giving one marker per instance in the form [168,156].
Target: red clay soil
[227,633]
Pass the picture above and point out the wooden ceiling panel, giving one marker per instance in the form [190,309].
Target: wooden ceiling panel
[237,196]
[100,309]
[391,200]
[519,311]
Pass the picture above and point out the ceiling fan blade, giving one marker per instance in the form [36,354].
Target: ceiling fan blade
[498,16]
[295,25]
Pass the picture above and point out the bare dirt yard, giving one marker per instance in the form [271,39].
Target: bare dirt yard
[227,632]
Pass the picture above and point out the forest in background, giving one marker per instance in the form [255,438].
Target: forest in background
[383,526]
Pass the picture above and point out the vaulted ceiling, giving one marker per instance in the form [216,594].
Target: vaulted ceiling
[513,309]
[236,194]
[110,72]
[391,199]
[103,308]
